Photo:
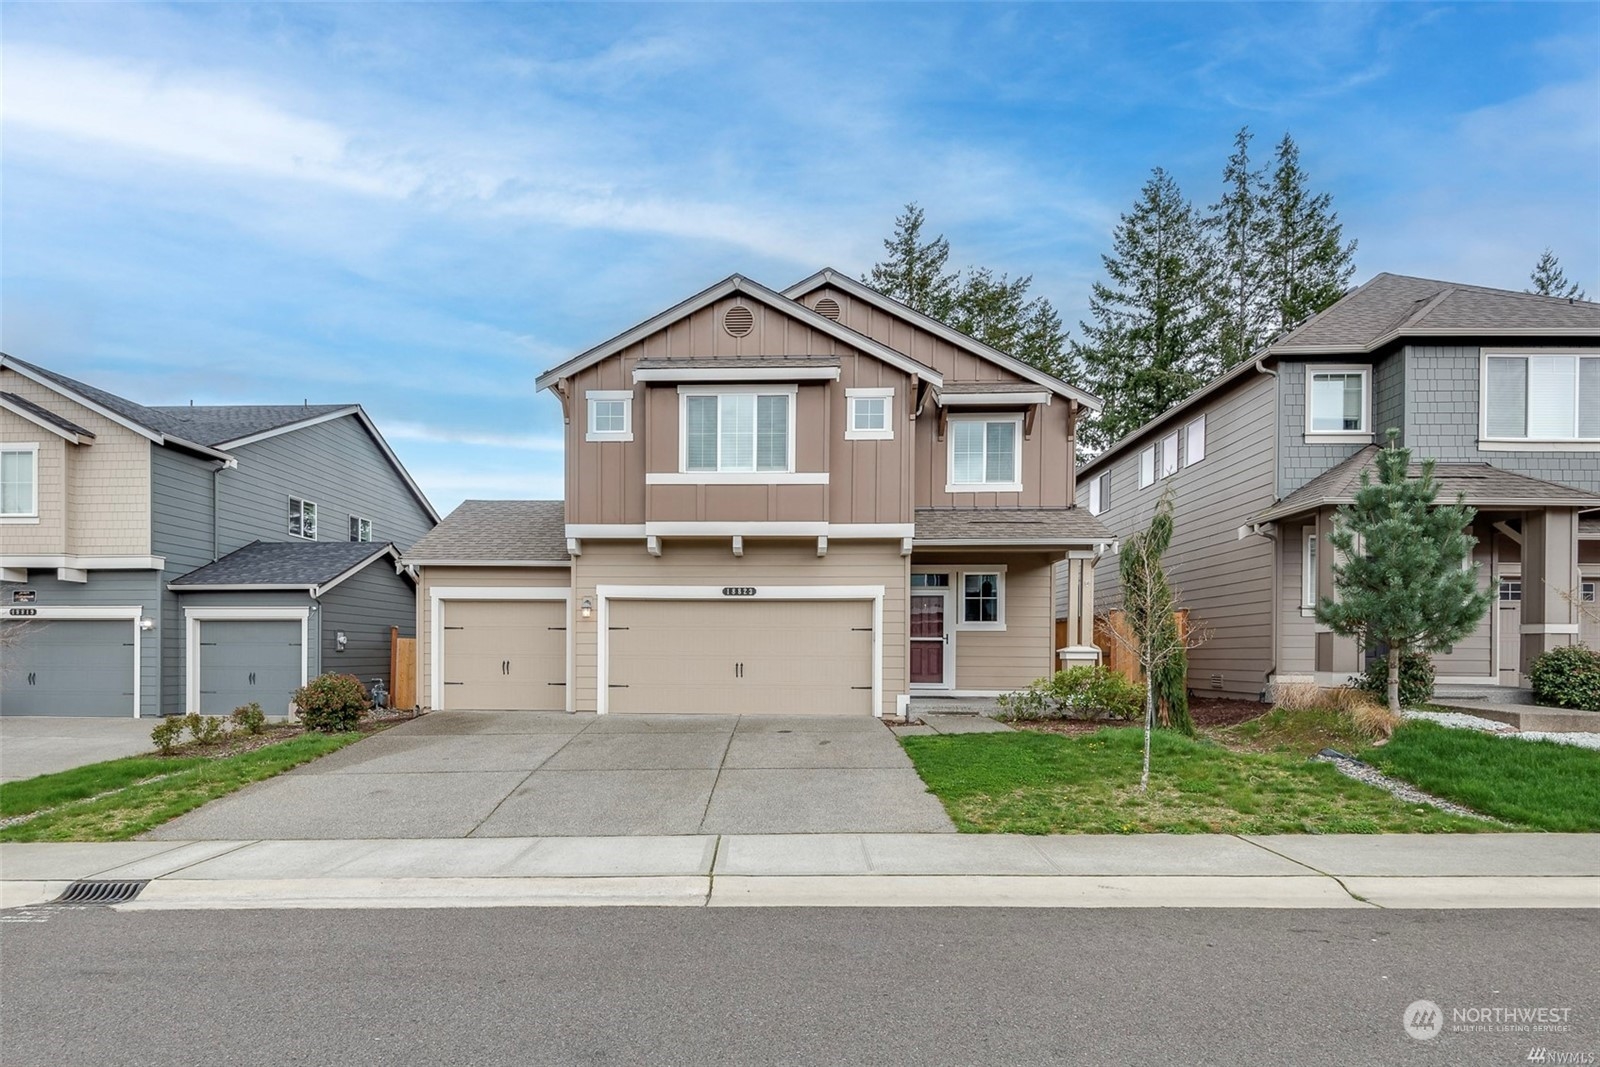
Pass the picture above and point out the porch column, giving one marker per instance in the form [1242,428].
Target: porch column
[1079,647]
[1549,578]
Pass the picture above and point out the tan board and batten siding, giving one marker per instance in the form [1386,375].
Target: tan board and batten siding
[999,660]
[1226,582]
[444,577]
[765,564]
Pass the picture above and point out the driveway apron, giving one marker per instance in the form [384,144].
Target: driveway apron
[548,774]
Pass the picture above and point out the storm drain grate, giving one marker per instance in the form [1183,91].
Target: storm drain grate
[119,892]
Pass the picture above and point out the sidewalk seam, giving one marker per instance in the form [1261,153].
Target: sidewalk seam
[1326,874]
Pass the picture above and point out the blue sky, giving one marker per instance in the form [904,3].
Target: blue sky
[420,207]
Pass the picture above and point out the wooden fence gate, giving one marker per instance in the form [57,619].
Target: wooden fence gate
[402,670]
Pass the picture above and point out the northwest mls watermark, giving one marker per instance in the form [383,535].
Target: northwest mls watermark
[1426,1020]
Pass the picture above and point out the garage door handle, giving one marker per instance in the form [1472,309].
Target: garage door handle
[252,677]
[33,677]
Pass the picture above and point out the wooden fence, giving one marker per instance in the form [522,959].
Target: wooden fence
[402,670]
[1117,652]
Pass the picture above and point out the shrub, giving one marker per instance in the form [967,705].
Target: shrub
[168,733]
[1298,696]
[332,703]
[250,718]
[1372,719]
[205,728]
[1567,677]
[1416,679]
[1075,693]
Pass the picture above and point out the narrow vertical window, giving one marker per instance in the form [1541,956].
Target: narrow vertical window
[1310,579]
[1194,444]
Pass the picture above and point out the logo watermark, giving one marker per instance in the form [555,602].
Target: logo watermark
[1423,1020]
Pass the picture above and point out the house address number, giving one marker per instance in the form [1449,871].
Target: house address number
[738,590]
[24,611]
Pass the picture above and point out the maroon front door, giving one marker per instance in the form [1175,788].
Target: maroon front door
[927,638]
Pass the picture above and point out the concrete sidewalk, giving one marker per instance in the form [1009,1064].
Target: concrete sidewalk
[891,870]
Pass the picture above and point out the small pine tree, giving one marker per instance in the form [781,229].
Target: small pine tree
[1550,280]
[1404,588]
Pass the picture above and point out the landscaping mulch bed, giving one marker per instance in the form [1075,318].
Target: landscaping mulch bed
[1206,712]
[239,741]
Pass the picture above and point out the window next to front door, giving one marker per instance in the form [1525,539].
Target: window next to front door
[985,454]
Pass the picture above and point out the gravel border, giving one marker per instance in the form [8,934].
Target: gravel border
[1460,720]
[1351,767]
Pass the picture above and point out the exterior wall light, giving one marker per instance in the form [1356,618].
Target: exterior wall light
[586,609]
[147,624]
[339,641]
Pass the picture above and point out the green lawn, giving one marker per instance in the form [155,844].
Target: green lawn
[1540,785]
[1037,783]
[143,792]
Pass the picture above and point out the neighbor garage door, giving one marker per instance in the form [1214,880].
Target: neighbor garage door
[75,667]
[249,661]
[505,655]
[757,657]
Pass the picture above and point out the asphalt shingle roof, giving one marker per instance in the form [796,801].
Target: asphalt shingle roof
[989,387]
[1482,484]
[485,530]
[1009,524]
[46,414]
[286,563]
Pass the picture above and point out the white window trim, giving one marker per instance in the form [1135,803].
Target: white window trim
[959,591]
[24,518]
[685,391]
[1177,463]
[360,519]
[1098,486]
[1147,454]
[1189,458]
[1310,570]
[850,431]
[1528,444]
[317,522]
[589,398]
[1326,437]
[953,486]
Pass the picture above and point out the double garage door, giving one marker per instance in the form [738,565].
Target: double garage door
[776,657]
[69,667]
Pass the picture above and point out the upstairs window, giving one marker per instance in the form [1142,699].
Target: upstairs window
[1100,493]
[302,518]
[1194,443]
[1551,398]
[984,454]
[19,481]
[360,529]
[1169,455]
[737,432]
[1147,467]
[1337,400]
[869,414]
[610,415]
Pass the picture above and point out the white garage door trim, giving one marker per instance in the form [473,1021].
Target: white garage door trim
[94,614]
[604,594]
[195,616]
[436,600]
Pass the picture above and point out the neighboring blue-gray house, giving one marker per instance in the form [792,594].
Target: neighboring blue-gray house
[161,560]
[1501,388]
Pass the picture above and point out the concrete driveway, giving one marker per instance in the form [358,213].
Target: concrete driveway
[529,774]
[44,744]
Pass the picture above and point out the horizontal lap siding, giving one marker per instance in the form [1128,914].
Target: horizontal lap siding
[764,563]
[1010,659]
[1473,655]
[480,577]
[364,607]
[1225,582]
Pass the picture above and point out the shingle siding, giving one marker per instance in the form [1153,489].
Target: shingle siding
[1299,461]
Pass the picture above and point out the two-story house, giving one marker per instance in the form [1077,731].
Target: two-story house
[161,560]
[1501,388]
[814,501]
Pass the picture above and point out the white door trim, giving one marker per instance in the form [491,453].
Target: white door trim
[193,617]
[438,595]
[97,614]
[604,594]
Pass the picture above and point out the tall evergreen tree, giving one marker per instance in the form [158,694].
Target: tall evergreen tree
[1309,265]
[994,309]
[1550,280]
[1405,587]
[1148,346]
[1240,228]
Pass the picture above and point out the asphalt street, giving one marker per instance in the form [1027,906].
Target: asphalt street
[784,986]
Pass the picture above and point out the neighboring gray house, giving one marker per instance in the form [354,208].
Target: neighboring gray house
[160,560]
[1501,388]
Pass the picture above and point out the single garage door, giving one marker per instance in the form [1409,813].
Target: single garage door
[249,661]
[75,667]
[756,657]
[505,655]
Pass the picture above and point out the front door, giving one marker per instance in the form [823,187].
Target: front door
[1508,610]
[929,645]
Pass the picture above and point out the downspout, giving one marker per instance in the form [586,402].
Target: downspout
[222,465]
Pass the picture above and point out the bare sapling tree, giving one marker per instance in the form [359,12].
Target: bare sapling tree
[1150,607]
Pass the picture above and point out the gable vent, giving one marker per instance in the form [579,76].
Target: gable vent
[828,308]
[738,321]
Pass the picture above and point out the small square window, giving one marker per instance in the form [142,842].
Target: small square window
[360,529]
[610,415]
[1336,401]
[302,518]
[870,411]
[980,598]
[1510,590]
[1590,589]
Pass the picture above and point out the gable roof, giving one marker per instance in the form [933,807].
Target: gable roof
[56,424]
[1482,484]
[1391,306]
[224,425]
[760,294]
[505,532]
[830,277]
[316,566]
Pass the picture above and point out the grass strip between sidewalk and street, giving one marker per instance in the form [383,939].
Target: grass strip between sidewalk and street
[1040,783]
[1539,785]
[121,799]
